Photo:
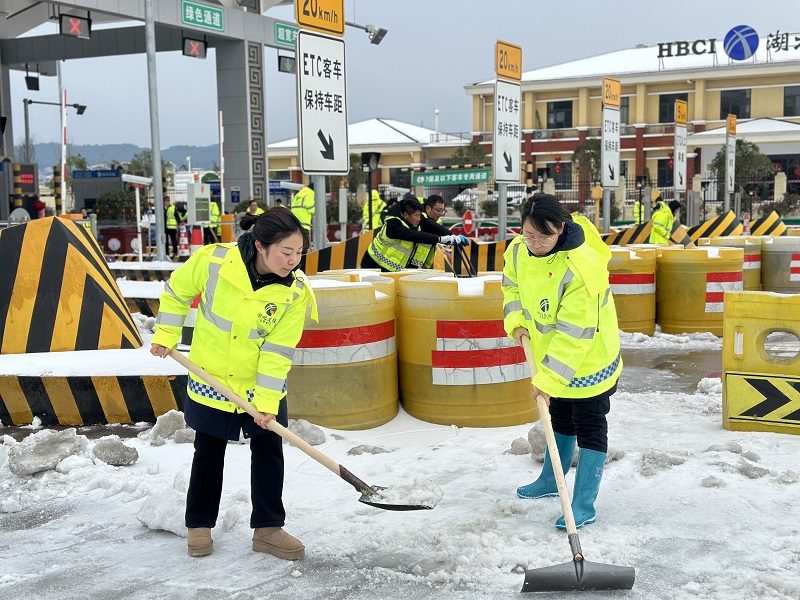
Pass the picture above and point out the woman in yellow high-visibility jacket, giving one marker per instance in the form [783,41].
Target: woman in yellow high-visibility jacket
[556,292]
[253,302]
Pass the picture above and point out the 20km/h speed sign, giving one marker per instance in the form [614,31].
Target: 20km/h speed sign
[322,105]
[609,149]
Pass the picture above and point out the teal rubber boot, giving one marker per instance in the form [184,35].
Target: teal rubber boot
[587,484]
[546,484]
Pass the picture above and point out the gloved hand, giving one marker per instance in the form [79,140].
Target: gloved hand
[463,240]
[449,240]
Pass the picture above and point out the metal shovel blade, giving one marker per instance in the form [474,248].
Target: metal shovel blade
[579,575]
[373,498]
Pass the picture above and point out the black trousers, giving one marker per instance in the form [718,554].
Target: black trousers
[266,481]
[172,236]
[210,235]
[585,418]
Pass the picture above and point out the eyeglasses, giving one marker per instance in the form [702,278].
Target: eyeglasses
[543,242]
[441,211]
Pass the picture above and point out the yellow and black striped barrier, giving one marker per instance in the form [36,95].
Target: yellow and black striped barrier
[56,292]
[344,255]
[722,225]
[90,400]
[147,306]
[141,274]
[57,183]
[640,234]
[770,225]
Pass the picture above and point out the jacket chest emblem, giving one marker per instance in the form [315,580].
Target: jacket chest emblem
[544,309]
[268,316]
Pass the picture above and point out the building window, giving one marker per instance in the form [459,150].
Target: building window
[559,114]
[666,106]
[791,101]
[625,111]
[665,177]
[734,102]
[400,177]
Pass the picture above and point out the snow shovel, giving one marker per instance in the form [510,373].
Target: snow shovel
[580,574]
[370,494]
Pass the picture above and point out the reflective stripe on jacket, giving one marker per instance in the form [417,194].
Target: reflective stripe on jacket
[244,338]
[662,224]
[396,255]
[564,300]
[303,206]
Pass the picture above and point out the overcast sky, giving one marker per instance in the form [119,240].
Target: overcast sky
[433,49]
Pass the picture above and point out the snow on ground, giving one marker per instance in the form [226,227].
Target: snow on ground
[700,512]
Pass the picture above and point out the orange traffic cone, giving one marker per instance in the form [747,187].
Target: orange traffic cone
[197,238]
[187,332]
[183,245]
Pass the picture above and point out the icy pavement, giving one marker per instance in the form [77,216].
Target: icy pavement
[700,512]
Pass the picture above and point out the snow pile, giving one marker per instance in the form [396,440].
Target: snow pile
[420,493]
[43,450]
[113,452]
[144,323]
[308,431]
[686,341]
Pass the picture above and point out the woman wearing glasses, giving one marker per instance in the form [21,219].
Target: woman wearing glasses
[556,291]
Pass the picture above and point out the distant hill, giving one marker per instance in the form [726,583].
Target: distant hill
[203,157]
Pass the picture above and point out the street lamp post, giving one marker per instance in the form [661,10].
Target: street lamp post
[80,108]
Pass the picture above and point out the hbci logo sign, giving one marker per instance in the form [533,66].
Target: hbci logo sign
[740,43]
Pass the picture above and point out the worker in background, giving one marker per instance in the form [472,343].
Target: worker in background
[662,222]
[171,226]
[388,204]
[254,209]
[85,220]
[303,206]
[378,205]
[407,240]
[435,208]
[211,233]
[638,211]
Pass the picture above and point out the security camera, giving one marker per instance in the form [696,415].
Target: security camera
[137,179]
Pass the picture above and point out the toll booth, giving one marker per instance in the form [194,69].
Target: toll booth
[88,186]
[19,185]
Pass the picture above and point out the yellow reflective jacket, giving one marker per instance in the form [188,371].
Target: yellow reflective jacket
[244,338]
[662,224]
[564,300]
[638,213]
[377,207]
[303,206]
[396,255]
[172,221]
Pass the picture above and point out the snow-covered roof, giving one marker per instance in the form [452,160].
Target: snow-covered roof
[375,132]
[644,60]
[758,131]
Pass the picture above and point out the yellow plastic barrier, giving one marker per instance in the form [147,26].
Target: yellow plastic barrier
[344,373]
[761,375]
[780,265]
[690,287]
[227,228]
[632,274]
[752,256]
[457,365]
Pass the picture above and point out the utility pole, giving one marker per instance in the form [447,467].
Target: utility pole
[155,141]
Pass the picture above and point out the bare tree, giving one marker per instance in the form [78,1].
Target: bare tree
[25,150]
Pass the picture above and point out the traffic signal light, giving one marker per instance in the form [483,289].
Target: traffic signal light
[194,48]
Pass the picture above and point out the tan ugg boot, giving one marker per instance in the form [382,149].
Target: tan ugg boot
[275,541]
[200,542]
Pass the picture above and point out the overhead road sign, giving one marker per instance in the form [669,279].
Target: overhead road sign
[72,26]
[506,141]
[324,16]
[679,145]
[453,177]
[286,34]
[205,16]
[322,104]
[508,61]
[609,148]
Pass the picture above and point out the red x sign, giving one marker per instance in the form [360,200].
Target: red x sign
[194,48]
[73,26]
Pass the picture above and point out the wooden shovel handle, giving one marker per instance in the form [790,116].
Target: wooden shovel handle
[273,425]
[544,415]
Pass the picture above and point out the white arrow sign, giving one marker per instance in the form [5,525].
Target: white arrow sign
[322,104]
[506,145]
[730,164]
[609,147]
[679,159]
